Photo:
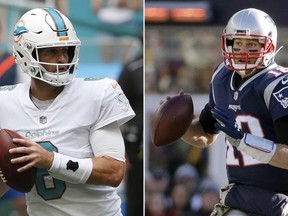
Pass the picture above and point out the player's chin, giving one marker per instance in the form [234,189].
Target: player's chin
[248,73]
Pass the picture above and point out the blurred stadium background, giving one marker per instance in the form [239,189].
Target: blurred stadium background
[106,43]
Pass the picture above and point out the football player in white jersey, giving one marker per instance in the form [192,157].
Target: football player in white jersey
[71,126]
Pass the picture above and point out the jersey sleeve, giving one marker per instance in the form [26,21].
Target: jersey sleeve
[278,104]
[114,105]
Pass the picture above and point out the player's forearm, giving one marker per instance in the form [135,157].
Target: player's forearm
[107,171]
[261,149]
[280,158]
[196,136]
[98,170]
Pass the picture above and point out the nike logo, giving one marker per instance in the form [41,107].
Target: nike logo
[114,85]
[285,80]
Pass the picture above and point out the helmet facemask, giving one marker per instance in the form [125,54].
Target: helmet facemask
[64,73]
[249,61]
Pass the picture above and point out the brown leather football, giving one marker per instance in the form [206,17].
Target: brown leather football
[171,120]
[23,181]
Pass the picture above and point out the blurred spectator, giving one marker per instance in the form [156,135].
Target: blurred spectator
[62,6]
[180,58]
[112,11]
[199,159]
[156,185]
[169,157]
[203,202]
[164,78]
[116,12]
[156,181]
[8,72]
[131,81]
[187,175]
[156,205]
[180,200]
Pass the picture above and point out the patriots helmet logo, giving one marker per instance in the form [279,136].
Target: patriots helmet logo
[282,97]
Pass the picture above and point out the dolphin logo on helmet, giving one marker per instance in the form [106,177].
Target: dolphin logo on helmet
[20,30]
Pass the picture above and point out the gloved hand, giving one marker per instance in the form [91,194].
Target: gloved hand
[257,147]
[227,124]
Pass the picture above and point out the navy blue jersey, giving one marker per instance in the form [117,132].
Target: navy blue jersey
[256,104]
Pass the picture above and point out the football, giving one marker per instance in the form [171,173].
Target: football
[171,120]
[22,182]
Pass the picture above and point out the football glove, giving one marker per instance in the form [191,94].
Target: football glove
[257,147]
[226,123]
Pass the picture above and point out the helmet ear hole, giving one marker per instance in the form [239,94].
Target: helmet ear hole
[21,56]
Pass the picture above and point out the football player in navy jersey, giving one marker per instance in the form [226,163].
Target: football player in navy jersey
[248,101]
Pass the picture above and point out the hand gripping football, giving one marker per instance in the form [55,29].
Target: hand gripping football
[171,120]
[23,181]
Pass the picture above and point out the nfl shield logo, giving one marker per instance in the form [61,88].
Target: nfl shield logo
[235,97]
[43,119]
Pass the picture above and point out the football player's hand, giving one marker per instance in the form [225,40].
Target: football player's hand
[34,155]
[181,92]
[227,124]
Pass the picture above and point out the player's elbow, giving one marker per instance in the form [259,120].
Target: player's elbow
[117,176]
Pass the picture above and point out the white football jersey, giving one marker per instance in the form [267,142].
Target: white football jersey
[64,127]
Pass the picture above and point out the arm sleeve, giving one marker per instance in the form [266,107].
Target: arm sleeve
[108,141]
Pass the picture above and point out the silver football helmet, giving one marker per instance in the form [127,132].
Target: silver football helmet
[249,24]
[43,28]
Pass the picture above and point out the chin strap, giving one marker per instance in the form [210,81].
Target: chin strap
[277,51]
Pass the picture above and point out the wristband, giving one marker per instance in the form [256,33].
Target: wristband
[71,169]
[259,148]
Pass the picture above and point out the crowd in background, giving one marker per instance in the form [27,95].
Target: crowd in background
[177,183]
[184,57]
